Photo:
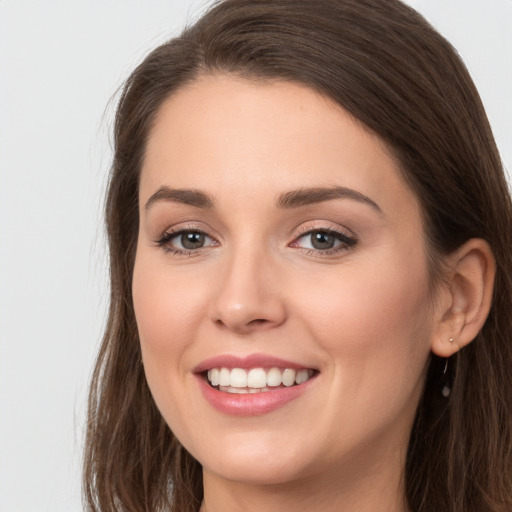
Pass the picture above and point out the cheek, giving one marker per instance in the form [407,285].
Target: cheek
[375,332]
[165,307]
[375,327]
[371,305]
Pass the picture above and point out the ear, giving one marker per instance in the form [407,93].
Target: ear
[465,297]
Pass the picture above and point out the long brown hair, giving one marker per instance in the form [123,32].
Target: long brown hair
[383,63]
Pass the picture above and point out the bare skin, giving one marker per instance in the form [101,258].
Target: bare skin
[333,280]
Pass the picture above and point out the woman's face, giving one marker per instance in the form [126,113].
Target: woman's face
[278,241]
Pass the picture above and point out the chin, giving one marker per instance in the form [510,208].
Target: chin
[255,472]
[256,463]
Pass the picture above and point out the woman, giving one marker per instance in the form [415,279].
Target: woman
[309,231]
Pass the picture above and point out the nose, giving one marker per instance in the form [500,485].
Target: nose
[249,295]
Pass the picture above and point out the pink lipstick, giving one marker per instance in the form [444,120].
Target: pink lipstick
[252,385]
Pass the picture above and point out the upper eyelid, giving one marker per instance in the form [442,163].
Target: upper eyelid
[184,227]
[168,235]
[325,226]
[348,239]
[299,230]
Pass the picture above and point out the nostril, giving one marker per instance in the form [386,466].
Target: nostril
[242,325]
[258,321]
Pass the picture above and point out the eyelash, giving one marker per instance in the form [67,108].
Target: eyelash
[164,241]
[347,242]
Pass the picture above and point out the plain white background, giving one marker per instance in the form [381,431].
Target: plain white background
[60,63]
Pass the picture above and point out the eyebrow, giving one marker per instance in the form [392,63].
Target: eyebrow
[184,196]
[306,196]
[287,200]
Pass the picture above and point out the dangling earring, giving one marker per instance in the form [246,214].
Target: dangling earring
[446,389]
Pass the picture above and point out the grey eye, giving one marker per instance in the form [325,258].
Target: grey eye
[191,240]
[322,240]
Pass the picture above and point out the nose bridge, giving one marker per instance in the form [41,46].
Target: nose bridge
[248,296]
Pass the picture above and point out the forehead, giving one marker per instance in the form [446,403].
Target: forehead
[223,133]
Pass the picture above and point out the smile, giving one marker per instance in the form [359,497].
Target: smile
[256,380]
[253,384]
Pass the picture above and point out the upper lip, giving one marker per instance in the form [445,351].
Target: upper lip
[247,362]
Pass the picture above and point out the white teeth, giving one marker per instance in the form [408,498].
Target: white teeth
[300,377]
[242,391]
[256,380]
[213,376]
[274,377]
[224,377]
[238,378]
[288,377]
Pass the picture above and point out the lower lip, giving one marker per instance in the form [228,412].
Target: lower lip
[251,404]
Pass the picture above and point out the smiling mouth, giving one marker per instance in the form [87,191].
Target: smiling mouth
[256,380]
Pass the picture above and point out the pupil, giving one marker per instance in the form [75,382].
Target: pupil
[322,240]
[192,240]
